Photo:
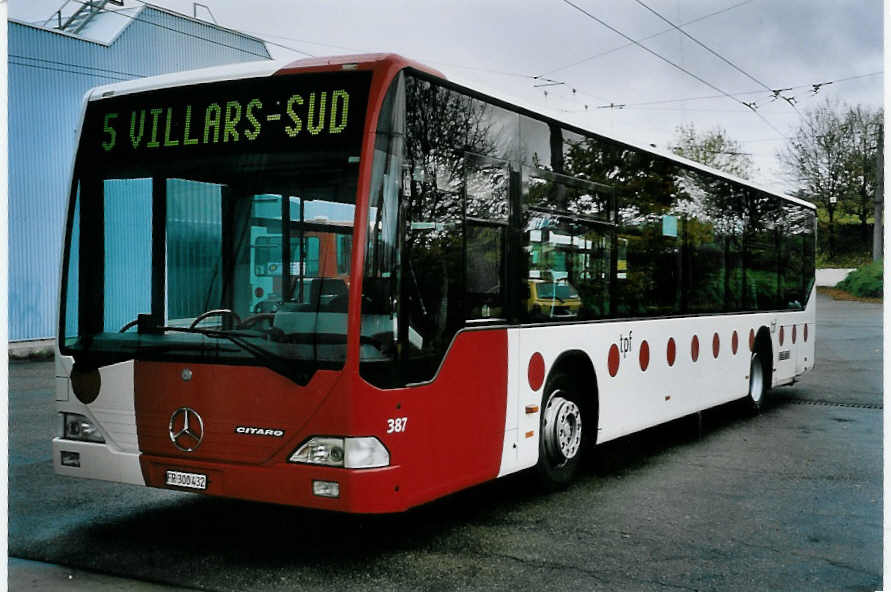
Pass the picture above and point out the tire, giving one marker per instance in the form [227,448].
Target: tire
[563,435]
[757,382]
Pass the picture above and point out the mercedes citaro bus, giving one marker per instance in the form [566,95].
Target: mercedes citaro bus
[416,365]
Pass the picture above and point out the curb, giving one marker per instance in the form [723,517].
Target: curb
[38,349]
[831,276]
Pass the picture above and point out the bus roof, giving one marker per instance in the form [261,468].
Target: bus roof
[265,68]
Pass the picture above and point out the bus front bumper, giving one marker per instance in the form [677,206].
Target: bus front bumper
[92,460]
[358,490]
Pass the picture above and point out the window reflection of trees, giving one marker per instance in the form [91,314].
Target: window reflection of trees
[690,241]
[713,227]
[445,132]
[647,193]
[633,233]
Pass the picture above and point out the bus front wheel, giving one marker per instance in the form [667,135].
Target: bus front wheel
[561,436]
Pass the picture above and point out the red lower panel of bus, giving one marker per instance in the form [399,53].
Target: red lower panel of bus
[227,406]
[442,436]
[367,491]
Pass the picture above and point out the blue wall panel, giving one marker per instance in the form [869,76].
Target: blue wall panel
[49,73]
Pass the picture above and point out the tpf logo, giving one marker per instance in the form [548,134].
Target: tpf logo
[625,344]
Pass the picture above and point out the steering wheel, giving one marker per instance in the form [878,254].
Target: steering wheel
[215,313]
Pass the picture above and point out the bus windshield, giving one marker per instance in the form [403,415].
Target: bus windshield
[562,291]
[232,248]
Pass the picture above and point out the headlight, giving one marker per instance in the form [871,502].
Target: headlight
[350,453]
[320,451]
[77,427]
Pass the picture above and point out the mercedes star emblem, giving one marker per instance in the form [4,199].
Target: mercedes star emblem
[186,429]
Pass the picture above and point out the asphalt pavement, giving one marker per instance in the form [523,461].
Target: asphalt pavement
[790,499]
[36,576]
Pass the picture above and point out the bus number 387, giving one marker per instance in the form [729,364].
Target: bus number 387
[396,424]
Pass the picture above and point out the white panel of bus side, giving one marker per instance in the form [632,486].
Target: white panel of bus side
[98,461]
[63,371]
[514,374]
[636,399]
[805,349]
[114,413]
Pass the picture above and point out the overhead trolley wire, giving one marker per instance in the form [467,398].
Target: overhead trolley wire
[264,35]
[673,64]
[812,86]
[532,77]
[662,32]
[81,66]
[777,93]
[64,71]
[552,82]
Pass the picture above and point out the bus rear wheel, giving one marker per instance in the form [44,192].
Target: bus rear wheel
[562,435]
[757,382]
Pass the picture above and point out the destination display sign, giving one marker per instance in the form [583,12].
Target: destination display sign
[274,114]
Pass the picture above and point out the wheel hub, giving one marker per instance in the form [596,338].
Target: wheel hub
[562,428]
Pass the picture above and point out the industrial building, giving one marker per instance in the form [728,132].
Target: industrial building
[53,62]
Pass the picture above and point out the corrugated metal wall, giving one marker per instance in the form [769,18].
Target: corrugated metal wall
[128,250]
[194,244]
[49,73]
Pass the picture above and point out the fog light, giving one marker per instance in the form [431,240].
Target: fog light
[70,459]
[77,427]
[326,488]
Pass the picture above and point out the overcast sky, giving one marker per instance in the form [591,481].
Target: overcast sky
[502,43]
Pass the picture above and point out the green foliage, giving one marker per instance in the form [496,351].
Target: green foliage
[832,160]
[853,245]
[840,219]
[846,260]
[713,149]
[865,281]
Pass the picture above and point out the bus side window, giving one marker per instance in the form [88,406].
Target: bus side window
[486,209]
[568,244]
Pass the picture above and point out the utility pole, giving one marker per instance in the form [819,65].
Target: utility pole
[879,197]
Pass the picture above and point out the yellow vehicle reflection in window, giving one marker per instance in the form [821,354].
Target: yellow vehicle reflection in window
[556,299]
[622,258]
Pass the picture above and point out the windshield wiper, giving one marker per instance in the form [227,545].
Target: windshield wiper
[270,360]
[257,352]
[165,347]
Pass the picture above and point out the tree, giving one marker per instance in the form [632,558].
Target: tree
[713,149]
[831,159]
[815,160]
[861,128]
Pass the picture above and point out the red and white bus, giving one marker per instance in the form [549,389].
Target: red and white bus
[425,364]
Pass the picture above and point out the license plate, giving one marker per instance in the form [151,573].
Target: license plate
[190,480]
